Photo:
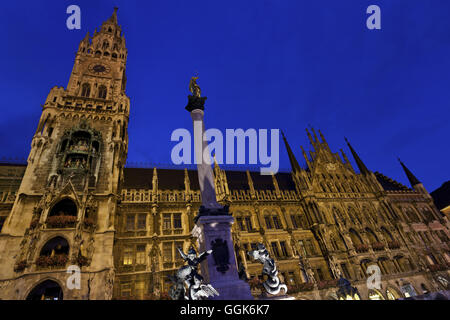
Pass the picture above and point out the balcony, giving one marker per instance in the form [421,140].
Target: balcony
[377,246]
[361,248]
[61,222]
[393,245]
[54,254]
[56,261]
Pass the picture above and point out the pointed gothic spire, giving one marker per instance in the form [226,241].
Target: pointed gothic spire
[187,181]
[361,166]
[113,17]
[86,37]
[412,178]
[294,164]
[310,137]
[155,181]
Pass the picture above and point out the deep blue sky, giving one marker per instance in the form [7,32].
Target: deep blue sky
[262,64]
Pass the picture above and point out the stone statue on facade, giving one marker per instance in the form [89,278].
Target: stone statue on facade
[187,277]
[273,284]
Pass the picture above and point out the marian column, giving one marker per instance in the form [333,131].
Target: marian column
[213,222]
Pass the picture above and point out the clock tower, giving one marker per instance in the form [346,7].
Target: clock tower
[57,242]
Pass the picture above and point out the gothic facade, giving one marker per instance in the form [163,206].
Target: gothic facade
[74,204]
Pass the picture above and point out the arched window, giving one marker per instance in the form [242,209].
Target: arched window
[392,294]
[46,290]
[56,245]
[411,215]
[371,235]
[98,53]
[375,295]
[85,90]
[365,264]
[387,234]
[352,215]
[55,253]
[65,207]
[384,265]
[62,215]
[356,239]
[334,243]
[102,92]
[338,215]
[105,45]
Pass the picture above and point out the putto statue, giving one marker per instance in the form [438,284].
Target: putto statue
[272,284]
[187,276]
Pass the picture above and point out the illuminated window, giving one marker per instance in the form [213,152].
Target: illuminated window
[142,221]
[127,255]
[140,254]
[130,222]
[167,222]
[268,222]
[310,249]
[248,223]
[177,221]
[302,246]
[276,222]
[240,223]
[345,270]
[85,90]
[284,251]
[167,252]
[294,221]
[390,295]
[374,295]
[102,92]
[275,251]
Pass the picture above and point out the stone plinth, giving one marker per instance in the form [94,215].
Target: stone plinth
[220,268]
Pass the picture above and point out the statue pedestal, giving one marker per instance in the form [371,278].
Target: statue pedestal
[220,267]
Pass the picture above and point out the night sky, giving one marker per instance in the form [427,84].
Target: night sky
[262,64]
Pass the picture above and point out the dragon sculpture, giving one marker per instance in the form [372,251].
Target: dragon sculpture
[272,284]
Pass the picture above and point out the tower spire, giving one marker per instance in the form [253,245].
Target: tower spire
[361,166]
[113,17]
[412,178]
[294,164]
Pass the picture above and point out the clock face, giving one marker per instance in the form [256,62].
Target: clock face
[99,68]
